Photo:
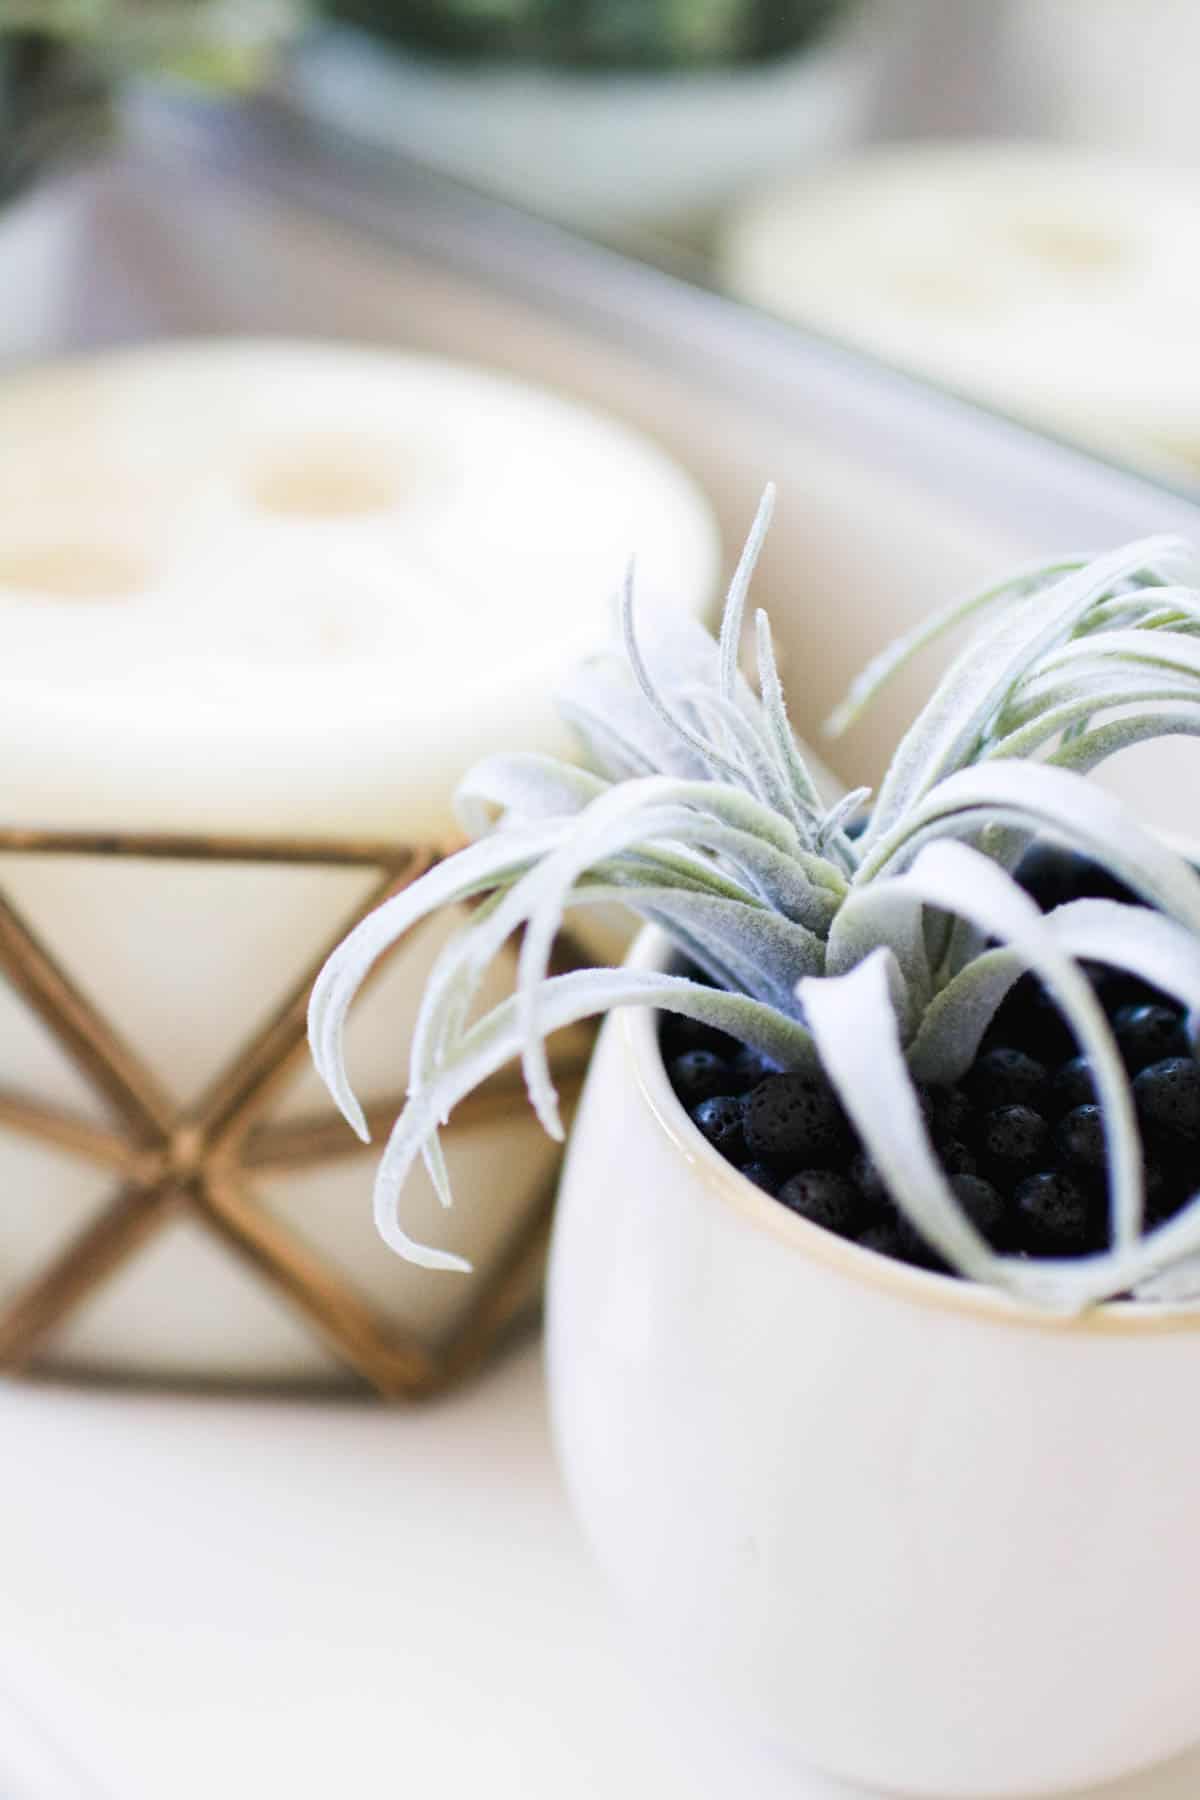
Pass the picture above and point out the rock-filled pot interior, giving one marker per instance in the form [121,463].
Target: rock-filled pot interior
[1020,1137]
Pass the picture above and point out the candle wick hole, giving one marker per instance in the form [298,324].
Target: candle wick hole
[71,572]
[330,481]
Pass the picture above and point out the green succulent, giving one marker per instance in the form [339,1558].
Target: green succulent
[880,956]
[218,40]
[607,34]
[61,61]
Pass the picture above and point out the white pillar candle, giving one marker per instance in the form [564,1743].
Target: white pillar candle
[271,589]
[1061,285]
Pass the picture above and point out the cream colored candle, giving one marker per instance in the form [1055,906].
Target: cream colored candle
[1062,285]
[273,588]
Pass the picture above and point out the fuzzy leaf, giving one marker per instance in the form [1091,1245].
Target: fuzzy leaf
[566,1000]
[739,587]
[952,1028]
[525,787]
[609,825]
[960,880]
[475,870]
[853,1023]
[884,915]
[881,669]
[1085,753]
[951,726]
[1146,944]
[775,715]
[1063,805]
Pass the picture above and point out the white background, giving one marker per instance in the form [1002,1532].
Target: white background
[236,1598]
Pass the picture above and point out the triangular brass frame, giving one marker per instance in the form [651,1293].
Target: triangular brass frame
[203,1158]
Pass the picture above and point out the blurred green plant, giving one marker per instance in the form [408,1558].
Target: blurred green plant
[603,34]
[61,60]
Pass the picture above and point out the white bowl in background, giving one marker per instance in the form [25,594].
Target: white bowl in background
[607,152]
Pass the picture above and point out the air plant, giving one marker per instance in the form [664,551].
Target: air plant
[879,957]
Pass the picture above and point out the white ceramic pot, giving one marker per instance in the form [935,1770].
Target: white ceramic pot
[900,1527]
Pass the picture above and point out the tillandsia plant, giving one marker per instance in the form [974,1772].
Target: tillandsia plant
[861,968]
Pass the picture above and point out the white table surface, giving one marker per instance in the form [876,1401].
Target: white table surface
[252,1598]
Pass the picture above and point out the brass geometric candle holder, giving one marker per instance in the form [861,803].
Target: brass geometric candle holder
[204,1159]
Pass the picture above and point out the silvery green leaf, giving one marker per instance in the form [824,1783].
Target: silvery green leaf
[624,817]
[1142,943]
[476,870]
[853,1022]
[950,727]
[951,1030]
[902,650]
[1156,949]
[832,827]
[618,732]
[524,786]
[1177,1278]
[458,971]
[1083,754]
[603,702]
[718,766]
[1105,689]
[884,915]
[739,587]
[1068,712]
[567,999]
[953,878]
[1064,806]
[754,759]
[1173,651]
[1145,1267]
[618,819]
[787,751]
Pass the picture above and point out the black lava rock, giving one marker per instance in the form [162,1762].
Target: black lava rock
[953,1116]
[956,1158]
[1013,1138]
[1029,1020]
[1168,1098]
[720,1119]
[1020,1138]
[1149,1034]
[1052,876]
[1054,1215]
[824,1198]
[762,1176]
[867,1179]
[795,1118]
[747,1068]
[1006,1077]
[1074,1084]
[1080,1137]
[699,1075]
[896,1238]
[680,1034]
[982,1203]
